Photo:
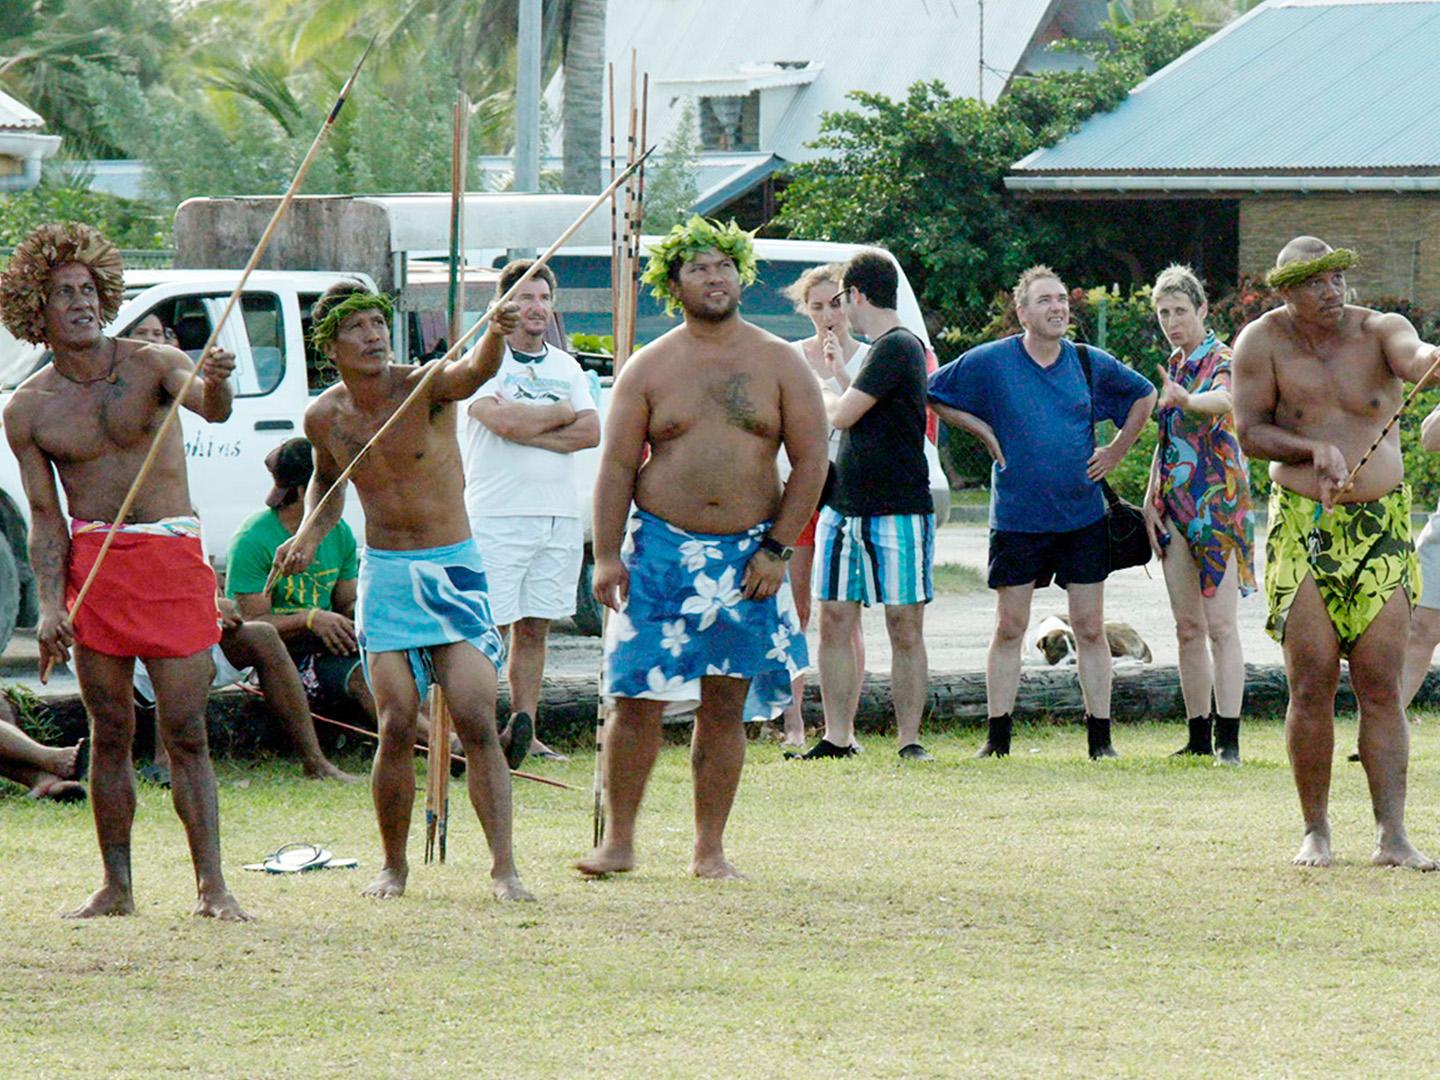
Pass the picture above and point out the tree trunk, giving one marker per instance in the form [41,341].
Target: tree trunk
[582,115]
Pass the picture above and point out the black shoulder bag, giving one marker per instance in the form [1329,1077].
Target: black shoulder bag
[1129,543]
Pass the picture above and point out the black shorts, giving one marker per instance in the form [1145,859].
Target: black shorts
[326,678]
[1078,557]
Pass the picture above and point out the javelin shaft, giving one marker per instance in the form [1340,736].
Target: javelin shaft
[1409,399]
[254,692]
[255,256]
[437,365]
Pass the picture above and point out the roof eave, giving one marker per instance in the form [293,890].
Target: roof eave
[1217,184]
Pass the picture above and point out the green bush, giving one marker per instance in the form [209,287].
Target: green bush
[129,224]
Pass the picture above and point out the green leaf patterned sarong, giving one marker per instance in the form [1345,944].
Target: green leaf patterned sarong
[1358,554]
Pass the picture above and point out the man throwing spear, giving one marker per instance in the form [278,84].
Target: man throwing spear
[702,609]
[1315,383]
[423,614]
[90,416]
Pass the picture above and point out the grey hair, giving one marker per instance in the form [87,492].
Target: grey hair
[1179,278]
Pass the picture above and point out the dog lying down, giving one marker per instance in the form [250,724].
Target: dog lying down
[1053,642]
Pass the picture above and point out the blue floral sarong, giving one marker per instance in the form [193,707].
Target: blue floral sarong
[686,618]
[411,601]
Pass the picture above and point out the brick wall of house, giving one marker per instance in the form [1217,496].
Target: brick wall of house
[1396,236]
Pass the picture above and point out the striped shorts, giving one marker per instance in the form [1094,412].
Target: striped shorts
[883,559]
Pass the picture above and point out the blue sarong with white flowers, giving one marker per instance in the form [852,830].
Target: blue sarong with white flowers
[411,601]
[686,618]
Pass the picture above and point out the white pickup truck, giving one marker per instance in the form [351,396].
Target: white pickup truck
[274,382]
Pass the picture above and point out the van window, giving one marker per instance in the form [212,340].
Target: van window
[254,332]
[584,299]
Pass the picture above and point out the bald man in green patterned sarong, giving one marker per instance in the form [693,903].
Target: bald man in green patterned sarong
[1315,382]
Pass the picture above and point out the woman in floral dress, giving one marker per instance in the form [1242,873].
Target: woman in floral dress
[1198,514]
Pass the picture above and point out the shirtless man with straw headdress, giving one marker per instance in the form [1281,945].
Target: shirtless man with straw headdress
[423,614]
[1315,382]
[91,417]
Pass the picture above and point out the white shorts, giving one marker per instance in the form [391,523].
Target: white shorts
[532,565]
[226,674]
[1427,547]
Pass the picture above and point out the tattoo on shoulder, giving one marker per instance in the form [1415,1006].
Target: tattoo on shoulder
[733,395]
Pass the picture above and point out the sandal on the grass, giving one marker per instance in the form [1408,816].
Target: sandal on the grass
[298,858]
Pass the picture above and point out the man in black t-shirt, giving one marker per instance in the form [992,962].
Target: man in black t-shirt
[875,540]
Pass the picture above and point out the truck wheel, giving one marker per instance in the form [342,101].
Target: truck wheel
[9,593]
[587,611]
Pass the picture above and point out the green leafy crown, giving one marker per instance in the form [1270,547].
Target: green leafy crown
[326,328]
[1296,273]
[684,242]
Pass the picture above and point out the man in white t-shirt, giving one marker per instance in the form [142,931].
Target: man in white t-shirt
[518,437]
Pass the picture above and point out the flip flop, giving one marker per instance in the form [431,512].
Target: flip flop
[546,754]
[299,858]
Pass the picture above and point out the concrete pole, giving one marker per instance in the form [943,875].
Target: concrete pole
[527,98]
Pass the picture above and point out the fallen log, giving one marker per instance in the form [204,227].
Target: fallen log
[239,724]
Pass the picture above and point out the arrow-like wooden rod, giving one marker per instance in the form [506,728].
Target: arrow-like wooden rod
[437,365]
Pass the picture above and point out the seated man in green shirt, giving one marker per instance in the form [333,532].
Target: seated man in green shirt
[314,610]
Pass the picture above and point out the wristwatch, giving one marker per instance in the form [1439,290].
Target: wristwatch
[771,546]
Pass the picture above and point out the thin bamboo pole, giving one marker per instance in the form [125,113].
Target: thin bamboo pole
[436,366]
[424,748]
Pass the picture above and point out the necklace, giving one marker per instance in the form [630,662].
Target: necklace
[109,375]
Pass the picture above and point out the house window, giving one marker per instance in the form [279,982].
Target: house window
[730,123]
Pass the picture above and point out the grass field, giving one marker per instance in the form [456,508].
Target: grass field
[1041,916]
[957,578]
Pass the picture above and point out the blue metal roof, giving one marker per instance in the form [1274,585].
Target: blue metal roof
[1296,86]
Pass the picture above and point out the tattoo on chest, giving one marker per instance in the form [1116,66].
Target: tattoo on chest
[733,395]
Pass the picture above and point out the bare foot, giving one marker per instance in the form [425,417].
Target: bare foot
[1404,855]
[608,858]
[74,762]
[1314,849]
[220,905]
[52,787]
[326,771]
[509,888]
[715,869]
[389,884]
[106,900]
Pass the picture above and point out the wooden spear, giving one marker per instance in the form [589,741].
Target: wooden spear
[436,366]
[256,692]
[255,257]
[437,805]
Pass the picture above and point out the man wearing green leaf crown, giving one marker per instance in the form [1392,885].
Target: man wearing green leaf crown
[1315,383]
[702,610]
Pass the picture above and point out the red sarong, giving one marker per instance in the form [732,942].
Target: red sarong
[154,596]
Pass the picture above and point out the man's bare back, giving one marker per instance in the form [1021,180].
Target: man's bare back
[714,416]
[410,483]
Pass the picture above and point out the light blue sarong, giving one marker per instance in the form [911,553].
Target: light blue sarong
[411,601]
[686,619]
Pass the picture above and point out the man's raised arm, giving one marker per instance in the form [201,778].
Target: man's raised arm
[211,395]
[1409,357]
[464,375]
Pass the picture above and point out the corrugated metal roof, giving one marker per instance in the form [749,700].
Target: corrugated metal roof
[1296,86]
[15,116]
